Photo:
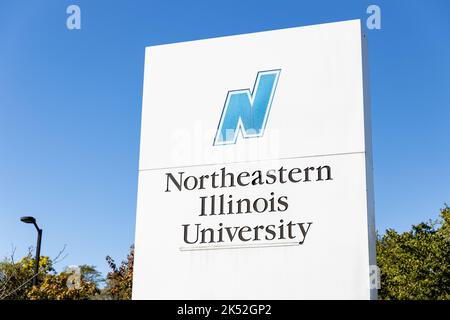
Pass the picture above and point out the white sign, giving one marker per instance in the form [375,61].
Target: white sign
[255,173]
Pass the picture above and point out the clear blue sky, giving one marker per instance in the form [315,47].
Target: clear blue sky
[70,105]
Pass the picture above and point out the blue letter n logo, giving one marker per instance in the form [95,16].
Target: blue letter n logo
[247,111]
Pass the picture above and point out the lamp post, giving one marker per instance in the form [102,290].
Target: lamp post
[38,247]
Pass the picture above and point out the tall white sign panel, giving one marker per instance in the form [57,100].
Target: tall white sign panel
[255,173]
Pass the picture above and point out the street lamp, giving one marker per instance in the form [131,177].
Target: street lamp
[38,247]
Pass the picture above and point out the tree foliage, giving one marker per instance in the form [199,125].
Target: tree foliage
[62,287]
[120,279]
[413,265]
[16,277]
[16,281]
[416,264]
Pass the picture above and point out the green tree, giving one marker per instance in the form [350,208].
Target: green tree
[119,280]
[416,264]
[90,274]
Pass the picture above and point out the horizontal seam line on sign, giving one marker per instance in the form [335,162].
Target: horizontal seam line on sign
[239,246]
[248,161]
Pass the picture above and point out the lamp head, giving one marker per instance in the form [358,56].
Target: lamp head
[28,220]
